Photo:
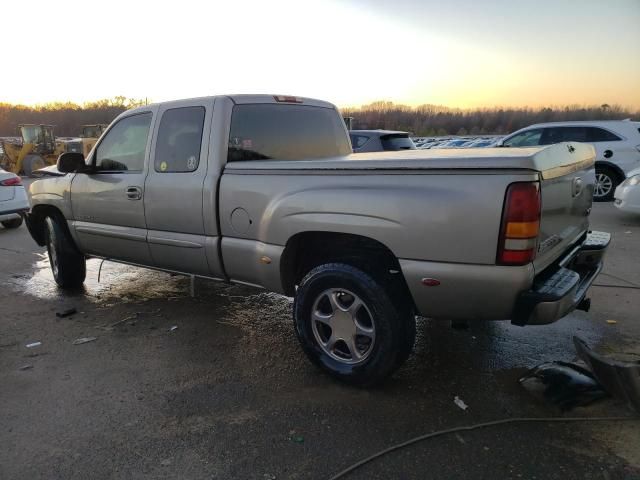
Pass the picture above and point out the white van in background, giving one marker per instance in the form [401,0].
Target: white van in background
[617,144]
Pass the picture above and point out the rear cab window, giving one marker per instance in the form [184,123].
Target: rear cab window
[285,132]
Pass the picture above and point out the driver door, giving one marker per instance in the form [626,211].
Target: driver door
[107,204]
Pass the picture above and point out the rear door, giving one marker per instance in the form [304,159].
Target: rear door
[107,205]
[174,188]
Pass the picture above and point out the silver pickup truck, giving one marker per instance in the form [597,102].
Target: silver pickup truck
[263,190]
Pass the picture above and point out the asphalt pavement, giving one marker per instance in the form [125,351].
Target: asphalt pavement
[216,386]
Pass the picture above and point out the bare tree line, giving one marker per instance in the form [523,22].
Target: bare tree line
[421,120]
[432,120]
[67,117]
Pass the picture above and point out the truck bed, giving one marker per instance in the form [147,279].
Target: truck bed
[540,159]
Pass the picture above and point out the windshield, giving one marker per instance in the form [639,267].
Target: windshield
[31,133]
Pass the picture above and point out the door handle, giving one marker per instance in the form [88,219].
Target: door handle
[134,193]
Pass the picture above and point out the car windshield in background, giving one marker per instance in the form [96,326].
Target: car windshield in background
[397,142]
[286,132]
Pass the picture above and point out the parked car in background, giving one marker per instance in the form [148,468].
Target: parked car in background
[484,142]
[455,143]
[617,144]
[13,200]
[627,195]
[380,141]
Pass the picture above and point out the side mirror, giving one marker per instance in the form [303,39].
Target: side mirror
[499,143]
[71,162]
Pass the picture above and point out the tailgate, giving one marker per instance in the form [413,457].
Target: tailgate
[567,182]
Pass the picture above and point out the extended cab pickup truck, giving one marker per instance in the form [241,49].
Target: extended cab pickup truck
[263,190]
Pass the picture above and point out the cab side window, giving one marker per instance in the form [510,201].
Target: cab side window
[529,138]
[179,140]
[123,147]
[357,141]
[595,134]
[563,134]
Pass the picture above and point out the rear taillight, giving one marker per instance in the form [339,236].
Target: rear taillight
[520,224]
[11,182]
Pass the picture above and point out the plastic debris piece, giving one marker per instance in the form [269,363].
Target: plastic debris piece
[26,367]
[175,327]
[460,403]
[564,384]
[165,463]
[34,344]
[66,313]
[297,439]
[80,341]
[268,476]
[619,378]
[612,322]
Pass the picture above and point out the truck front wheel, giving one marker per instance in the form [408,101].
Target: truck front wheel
[68,265]
[349,326]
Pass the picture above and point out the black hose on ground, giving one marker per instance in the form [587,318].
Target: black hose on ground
[439,433]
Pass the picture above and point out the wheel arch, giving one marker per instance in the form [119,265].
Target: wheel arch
[309,249]
[611,166]
[35,221]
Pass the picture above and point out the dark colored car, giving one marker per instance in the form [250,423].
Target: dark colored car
[380,140]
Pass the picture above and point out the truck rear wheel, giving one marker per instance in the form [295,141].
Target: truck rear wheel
[68,265]
[349,326]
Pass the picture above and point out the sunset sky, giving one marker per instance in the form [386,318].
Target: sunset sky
[459,53]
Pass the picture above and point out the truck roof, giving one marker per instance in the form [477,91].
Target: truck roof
[245,99]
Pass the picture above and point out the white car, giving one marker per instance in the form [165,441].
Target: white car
[628,193]
[617,144]
[13,200]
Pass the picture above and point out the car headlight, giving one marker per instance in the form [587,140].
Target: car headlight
[635,180]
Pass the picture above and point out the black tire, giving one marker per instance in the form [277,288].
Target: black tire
[393,324]
[32,163]
[13,223]
[607,180]
[68,265]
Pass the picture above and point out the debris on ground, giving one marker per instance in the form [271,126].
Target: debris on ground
[175,327]
[460,403]
[28,366]
[34,344]
[612,322]
[297,439]
[619,378]
[268,476]
[66,313]
[80,341]
[125,319]
[165,463]
[564,384]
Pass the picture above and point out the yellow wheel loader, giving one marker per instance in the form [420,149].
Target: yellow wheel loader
[36,149]
[90,135]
